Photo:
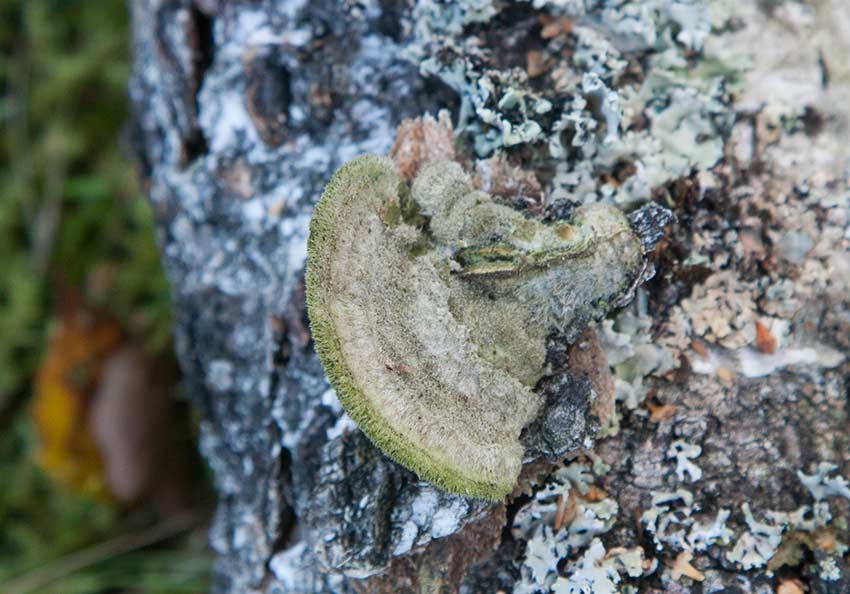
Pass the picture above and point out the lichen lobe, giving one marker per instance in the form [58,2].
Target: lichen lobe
[432,329]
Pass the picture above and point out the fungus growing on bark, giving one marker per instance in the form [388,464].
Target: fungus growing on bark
[430,307]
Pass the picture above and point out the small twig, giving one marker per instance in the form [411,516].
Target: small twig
[566,511]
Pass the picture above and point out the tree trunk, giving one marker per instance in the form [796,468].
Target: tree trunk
[728,367]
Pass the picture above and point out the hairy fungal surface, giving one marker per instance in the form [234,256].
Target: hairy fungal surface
[430,307]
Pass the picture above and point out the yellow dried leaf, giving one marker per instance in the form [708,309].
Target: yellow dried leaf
[64,385]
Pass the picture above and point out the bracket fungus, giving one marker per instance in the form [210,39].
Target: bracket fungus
[431,305]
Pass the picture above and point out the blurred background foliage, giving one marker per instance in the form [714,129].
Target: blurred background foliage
[84,321]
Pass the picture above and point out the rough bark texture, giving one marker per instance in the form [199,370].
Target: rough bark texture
[729,367]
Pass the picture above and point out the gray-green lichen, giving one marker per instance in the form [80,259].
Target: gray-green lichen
[430,307]
[592,569]
[599,571]
[671,520]
[588,115]
[821,485]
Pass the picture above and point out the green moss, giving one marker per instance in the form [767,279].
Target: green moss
[433,351]
[71,210]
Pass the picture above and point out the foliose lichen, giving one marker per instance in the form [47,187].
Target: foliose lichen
[430,307]
[565,519]
[586,115]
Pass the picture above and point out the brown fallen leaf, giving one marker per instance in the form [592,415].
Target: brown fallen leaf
[793,586]
[699,347]
[594,494]
[419,141]
[103,413]
[765,340]
[552,27]
[727,376]
[660,412]
[825,540]
[682,567]
[566,511]
[132,420]
[535,63]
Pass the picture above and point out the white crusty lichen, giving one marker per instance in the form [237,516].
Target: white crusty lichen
[684,453]
[542,553]
[600,571]
[634,355]
[757,546]
[707,534]
[821,485]
[590,575]
[430,307]
[672,521]
[828,570]
[553,534]
[669,517]
[588,518]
